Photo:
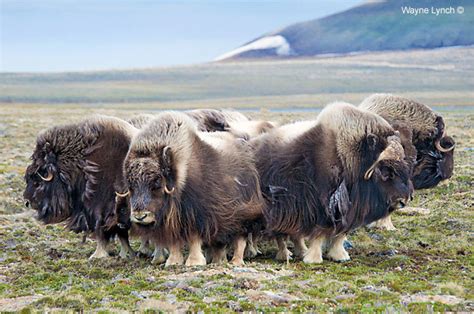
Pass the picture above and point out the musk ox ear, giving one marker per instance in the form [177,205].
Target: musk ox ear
[168,171]
[372,141]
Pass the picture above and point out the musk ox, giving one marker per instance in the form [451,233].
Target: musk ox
[431,151]
[324,178]
[194,188]
[73,174]
[211,120]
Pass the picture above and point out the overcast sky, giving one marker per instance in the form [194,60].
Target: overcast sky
[71,35]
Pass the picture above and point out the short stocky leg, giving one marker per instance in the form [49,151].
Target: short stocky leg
[283,253]
[314,253]
[102,242]
[158,255]
[126,250]
[218,255]
[144,249]
[300,246]
[239,248]
[195,258]
[251,250]
[101,250]
[384,223]
[337,252]
[176,256]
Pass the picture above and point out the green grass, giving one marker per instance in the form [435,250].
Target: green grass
[46,267]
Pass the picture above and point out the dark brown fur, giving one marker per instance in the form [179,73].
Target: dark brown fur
[430,166]
[85,160]
[215,195]
[310,189]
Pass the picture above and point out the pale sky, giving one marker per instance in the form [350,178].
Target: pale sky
[72,35]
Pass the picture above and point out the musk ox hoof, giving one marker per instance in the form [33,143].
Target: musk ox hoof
[252,251]
[384,224]
[173,262]
[158,258]
[283,255]
[99,254]
[196,261]
[312,258]
[125,254]
[237,262]
[339,255]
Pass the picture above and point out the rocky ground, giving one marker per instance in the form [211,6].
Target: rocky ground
[424,265]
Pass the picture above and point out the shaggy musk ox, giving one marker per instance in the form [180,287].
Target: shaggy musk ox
[431,151]
[213,120]
[323,178]
[73,174]
[194,188]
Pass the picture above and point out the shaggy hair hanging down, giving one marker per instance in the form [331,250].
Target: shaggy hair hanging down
[432,151]
[193,183]
[332,175]
[74,171]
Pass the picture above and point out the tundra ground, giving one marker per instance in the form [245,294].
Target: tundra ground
[426,264]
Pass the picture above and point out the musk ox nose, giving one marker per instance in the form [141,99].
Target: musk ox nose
[140,216]
[27,204]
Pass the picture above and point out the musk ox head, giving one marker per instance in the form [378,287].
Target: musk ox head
[151,183]
[434,149]
[388,176]
[48,188]
[435,158]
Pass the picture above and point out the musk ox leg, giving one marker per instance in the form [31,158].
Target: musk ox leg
[314,254]
[283,253]
[101,250]
[159,255]
[195,258]
[337,252]
[144,249]
[176,256]
[219,255]
[384,223]
[239,248]
[251,250]
[126,250]
[300,246]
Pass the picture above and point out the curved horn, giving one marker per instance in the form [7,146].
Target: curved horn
[122,194]
[441,148]
[394,151]
[167,191]
[48,178]
[165,152]
[368,174]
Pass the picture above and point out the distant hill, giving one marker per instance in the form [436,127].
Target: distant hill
[373,26]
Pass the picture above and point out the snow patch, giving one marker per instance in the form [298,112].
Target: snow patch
[270,42]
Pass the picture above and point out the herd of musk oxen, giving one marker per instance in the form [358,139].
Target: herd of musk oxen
[214,182]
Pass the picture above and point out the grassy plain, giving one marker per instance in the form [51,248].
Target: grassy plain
[425,265]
